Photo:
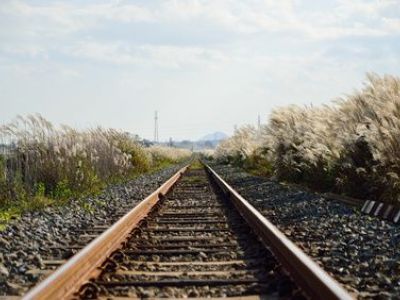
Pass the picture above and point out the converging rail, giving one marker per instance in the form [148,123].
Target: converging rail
[193,237]
[315,281]
[63,283]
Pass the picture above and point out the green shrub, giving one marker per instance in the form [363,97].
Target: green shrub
[63,190]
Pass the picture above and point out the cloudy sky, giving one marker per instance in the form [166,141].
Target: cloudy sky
[204,65]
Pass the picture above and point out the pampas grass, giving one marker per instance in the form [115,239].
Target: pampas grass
[63,162]
[351,146]
[240,146]
[247,147]
[161,155]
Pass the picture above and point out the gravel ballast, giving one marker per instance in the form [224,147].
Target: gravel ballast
[27,243]
[360,251]
[225,258]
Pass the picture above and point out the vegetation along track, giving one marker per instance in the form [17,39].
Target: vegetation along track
[199,239]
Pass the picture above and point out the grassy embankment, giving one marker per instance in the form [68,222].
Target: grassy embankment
[350,147]
[49,166]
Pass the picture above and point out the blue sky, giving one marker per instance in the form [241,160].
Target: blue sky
[204,65]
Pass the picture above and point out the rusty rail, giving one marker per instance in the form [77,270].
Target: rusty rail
[310,277]
[80,268]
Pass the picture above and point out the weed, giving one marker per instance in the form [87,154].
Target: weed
[351,147]
[45,165]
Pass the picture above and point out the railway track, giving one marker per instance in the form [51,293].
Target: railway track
[193,237]
[59,253]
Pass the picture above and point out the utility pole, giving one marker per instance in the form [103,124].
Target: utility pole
[156,126]
[259,122]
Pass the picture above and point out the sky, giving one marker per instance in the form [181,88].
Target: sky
[205,66]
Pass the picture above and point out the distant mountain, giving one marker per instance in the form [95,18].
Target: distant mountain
[209,141]
[216,136]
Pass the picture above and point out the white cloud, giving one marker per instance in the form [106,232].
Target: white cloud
[236,16]
[31,51]
[392,24]
[38,20]
[254,54]
[369,8]
[147,55]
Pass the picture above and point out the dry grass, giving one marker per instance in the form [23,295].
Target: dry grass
[244,142]
[351,146]
[160,155]
[43,162]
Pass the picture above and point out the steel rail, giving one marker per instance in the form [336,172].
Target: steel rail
[315,282]
[79,269]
